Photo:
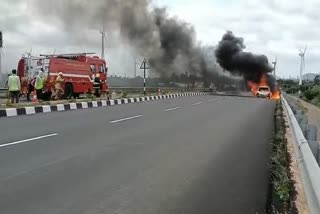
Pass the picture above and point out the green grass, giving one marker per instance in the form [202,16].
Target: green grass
[283,191]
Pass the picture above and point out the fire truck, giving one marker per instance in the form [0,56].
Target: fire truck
[79,71]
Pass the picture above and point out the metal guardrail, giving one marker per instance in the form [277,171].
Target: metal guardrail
[309,168]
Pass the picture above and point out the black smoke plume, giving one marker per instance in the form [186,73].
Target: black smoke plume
[168,43]
[231,56]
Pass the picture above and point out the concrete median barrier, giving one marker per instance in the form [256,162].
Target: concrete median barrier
[30,110]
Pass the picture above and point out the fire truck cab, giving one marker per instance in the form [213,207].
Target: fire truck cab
[79,71]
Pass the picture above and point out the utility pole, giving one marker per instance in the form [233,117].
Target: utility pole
[135,67]
[1,45]
[0,63]
[144,66]
[103,36]
[302,66]
[135,63]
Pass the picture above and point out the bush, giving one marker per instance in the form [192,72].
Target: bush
[124,94]
[292,90]
[316,101]
[316,90]
[309,95]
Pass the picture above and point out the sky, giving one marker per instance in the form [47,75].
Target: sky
[274,28]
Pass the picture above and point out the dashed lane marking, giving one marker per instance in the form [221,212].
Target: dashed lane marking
[28,140]
[198,103]
[172,109]
[125,119]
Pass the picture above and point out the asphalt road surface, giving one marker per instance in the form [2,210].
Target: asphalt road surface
[204,154]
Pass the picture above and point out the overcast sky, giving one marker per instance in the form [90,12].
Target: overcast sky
[270,27]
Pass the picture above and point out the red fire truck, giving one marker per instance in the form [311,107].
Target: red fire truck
[78,71]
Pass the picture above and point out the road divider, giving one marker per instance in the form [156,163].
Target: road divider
[10,112]
[28,140]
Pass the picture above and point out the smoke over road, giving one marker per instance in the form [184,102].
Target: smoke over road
[169,43]
[231,57]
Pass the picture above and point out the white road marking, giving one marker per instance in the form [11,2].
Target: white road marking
[216,99]
[194,104]
[28,140]
[124,119]
[212,100]
[172,109]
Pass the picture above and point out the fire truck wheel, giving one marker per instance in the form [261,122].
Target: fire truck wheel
[69,91]
[76,95]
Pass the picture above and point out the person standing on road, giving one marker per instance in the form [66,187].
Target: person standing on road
[24,86]
[59,86]
[97,85]
[14,86]
[211,87]
[31,87]
[39,85]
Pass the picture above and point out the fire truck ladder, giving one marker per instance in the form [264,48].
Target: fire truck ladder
[68,55]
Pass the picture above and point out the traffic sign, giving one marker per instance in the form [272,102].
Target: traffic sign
[144,64]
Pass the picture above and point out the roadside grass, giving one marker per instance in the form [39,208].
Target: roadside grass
[301,106]
[283,192]
[299,103]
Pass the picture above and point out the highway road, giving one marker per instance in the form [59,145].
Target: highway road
[204,154]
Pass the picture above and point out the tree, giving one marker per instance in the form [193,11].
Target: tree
[317,80]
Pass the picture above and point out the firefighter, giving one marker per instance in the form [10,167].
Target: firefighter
[24,86]
[58,86]
[97,85]
[39,85]
[14,86]
[211,88]
[31,87]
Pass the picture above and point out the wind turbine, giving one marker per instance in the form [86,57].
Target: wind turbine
[135,63]
[302,64]
[274,67]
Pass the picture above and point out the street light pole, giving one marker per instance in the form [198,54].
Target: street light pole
[135,68]
[0,62]
[103,35]
[1,45]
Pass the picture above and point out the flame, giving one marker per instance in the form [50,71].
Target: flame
[254,87]
[275,95]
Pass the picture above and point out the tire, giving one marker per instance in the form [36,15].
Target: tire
[69,91]
[76,95]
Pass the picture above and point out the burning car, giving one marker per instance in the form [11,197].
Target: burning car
[264,92]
